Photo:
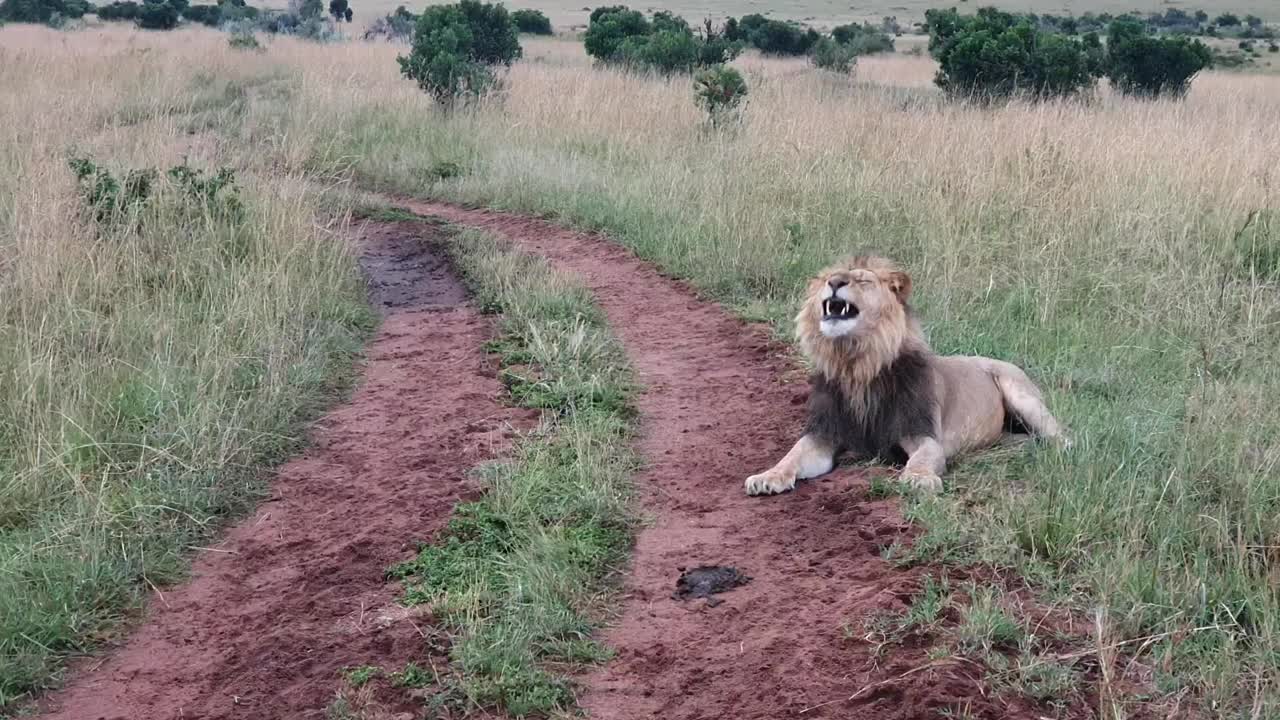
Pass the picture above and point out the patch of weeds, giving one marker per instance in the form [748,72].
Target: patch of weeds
[387,213]
[358,676]
[884,487]
[119,201]
[921,617]
[516,575]
[339,709]
[986,627]
[1044,678]
[412,677]
[945,538]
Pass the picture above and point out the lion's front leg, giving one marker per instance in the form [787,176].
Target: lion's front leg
[926,461]
[808,458]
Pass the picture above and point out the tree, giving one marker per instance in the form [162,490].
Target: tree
[1143,65]
[41,11]
[608,30]
[338,9]
[532,22]
[775,37]
[158,16]
[455,46]
[1226,20]
[994,54]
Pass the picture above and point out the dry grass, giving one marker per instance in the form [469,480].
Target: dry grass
[1105,246]
[146,375]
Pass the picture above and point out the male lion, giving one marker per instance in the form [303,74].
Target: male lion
[879,391]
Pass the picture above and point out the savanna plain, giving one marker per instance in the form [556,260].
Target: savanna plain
[1126,252]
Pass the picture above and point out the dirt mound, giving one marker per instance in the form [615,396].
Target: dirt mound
[296,591]
[716,409]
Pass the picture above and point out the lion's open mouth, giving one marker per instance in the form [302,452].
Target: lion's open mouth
[836,309]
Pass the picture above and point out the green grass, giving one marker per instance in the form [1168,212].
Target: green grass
[519,574]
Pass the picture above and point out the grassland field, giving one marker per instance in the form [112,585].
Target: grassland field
[1126,252]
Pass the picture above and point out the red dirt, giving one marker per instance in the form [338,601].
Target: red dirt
[716,408]
[296,591]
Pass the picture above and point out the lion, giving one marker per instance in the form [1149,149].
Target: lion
[878,391]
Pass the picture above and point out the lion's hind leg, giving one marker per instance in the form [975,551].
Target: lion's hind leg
[1023,399]
[808,458]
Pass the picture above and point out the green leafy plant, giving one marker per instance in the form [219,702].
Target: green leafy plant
[42,11]
[994,54]
[455,47]
[720,91]
[1146,66]
[835,56]
[666,44]
[533,22]
[158,16]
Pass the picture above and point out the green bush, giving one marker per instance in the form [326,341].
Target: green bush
[610,27]
[995,55]
[720,91]
[775,37]
[340,10]
[532,22]
[864,39]
[210,15]
[244,40]
[829,54]
[42,11]
[454,47]
[158,16]
[667,44]
[120,10]
[1143,65]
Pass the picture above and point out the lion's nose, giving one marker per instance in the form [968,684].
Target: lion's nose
[837,283]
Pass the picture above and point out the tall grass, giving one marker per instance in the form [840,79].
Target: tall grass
[152,362]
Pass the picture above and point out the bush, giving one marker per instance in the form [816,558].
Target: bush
[340,10]
[398,25]
[210,15]
[126,10]
[830,54]
[42,11]
[720,91]
[1226,20]
[667,51]
[244,41]
[864,39]
[454,47]
[667,44]
[158,16]
[775,37]
[994,55]
[532,22]
[609,29]
[1143,65]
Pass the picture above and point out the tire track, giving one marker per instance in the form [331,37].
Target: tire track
[714,409]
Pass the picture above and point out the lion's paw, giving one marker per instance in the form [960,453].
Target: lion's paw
[922,481]
[769,483]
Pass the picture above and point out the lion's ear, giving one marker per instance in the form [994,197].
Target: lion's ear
[900,285]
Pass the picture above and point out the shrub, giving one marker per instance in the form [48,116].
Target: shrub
[398,25]
[42,11]
[126,10]
[864,39]
[454,47]
[667,44]
[1143,65]
[158,16]
[830,54]
[667,51]
[532,22]
[244,41]
[1226,20]
[994,55]
[609,29]
[775,37]
[340,10]
[720,91]
[210,15]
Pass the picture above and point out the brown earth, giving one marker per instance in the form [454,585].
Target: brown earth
[719,403]
[296,592]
